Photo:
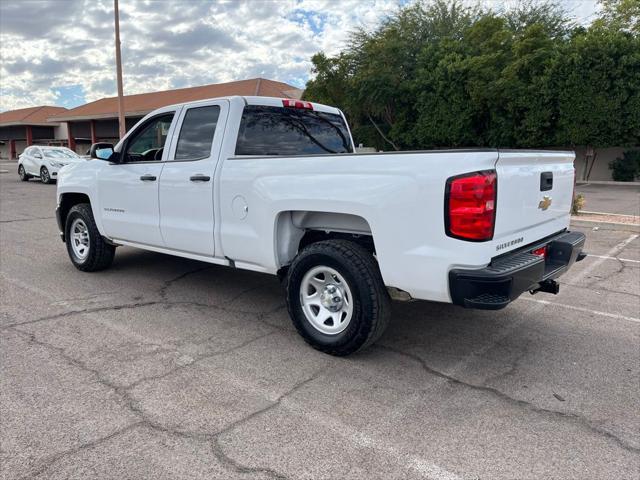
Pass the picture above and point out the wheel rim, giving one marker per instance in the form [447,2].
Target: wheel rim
[45,175]
[326,300]
[79,234]
[21,171]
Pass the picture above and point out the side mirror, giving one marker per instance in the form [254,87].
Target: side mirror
[101,151]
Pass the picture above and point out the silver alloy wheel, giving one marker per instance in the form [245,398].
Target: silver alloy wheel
[44,175]
[21,171]
[79,234]
[326,300]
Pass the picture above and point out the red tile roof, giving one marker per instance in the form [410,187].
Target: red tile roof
[29,116]
[141,104]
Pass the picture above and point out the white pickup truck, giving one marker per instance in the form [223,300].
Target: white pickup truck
[275,186]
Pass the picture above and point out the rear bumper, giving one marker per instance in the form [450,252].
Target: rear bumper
[510,275]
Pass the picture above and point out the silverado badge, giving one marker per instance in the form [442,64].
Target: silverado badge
[545,203]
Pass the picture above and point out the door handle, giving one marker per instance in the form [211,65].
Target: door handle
[199,178]
[148,178]
[546,181]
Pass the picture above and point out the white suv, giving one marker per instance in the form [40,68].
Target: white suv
[44,162]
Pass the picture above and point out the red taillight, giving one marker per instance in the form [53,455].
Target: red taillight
[297,104]
[471,206]
[541,252]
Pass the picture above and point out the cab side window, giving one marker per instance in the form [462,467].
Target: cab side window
[35,153]
[148,143]
[196,134]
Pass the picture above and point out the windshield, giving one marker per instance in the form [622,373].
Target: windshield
[50,153]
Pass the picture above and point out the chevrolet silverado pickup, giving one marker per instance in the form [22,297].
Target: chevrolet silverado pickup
[275,186]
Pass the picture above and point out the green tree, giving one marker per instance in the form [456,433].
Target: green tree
[596,81]
[378,68]
[621,15]
[546,15]
[457,87]
[443,74]
[526,89]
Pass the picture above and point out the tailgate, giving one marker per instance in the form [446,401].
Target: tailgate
[535,191]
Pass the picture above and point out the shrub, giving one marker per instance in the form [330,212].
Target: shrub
[577,204]
[627,168]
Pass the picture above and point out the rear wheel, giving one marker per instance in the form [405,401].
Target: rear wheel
[336,297]
[87,249]
[45,177]
[24,176]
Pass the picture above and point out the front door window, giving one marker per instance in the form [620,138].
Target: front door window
[148,144]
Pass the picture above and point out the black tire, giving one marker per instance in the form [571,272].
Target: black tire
[45,176]
[371,302]
[24,176]
[100,255]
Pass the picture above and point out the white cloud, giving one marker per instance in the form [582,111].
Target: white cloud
[48,45]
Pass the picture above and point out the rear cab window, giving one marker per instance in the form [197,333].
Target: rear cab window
[273,130]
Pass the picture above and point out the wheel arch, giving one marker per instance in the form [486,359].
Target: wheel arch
[295,229]
[21,166]
[68,200]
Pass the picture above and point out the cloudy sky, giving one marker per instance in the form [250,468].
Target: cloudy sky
[60,52]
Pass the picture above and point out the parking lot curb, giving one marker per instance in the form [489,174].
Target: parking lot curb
[629,227]
[583,183]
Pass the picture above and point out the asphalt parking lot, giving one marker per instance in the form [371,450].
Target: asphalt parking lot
[169,368]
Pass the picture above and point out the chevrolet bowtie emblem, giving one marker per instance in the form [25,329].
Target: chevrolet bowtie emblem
[545,203]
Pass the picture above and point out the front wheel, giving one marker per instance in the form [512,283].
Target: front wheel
[87,249]
[24,176]
[336,297]
[45,177]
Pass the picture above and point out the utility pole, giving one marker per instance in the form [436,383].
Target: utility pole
[122,127]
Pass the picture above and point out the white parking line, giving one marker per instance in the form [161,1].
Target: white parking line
[582,309]
[611,253]
[362,439]
[589,255]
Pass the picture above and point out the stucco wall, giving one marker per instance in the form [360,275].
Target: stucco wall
[600,169]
